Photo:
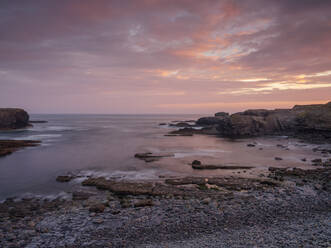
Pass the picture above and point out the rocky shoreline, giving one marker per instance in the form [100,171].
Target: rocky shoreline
[285,207]
[311,123]
[288,208]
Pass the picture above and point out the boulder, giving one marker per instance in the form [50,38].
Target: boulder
[186,131]
[97,208]
[143,203]
[150,157]
[64,179]
[196,162]
[81,195]
[12,118]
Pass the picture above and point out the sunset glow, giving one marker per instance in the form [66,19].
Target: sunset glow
[146,56]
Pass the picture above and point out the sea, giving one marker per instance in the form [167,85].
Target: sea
[105,145]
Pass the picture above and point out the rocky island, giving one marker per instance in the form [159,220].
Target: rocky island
[10,119]
[13,118]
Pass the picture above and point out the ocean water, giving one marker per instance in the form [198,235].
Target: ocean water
[104,145]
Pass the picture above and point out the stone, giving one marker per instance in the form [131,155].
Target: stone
[125,203]
[38,121]
[97,208]
[64,179]
[196,162]
[206,201]
[250,145]
[181,124]
[80,195]
[278,158]
[186,131]
[143,203]
[150,157]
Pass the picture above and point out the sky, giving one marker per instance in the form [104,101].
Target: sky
[163,56]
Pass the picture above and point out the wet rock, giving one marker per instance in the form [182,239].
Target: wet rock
[18,211]
[37,121]
[64,179]
[206,201]
[143,203]
[226,183]
[120,188]
[97,208]
[196,162]
[150,157]
[327,163]
[215,167]
[321,175]
[98,221]
[187,131]
[125,203]
[317,161]
[181,124]
[7,147]
[80,195]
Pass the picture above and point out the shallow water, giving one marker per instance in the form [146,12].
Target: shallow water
[105,145]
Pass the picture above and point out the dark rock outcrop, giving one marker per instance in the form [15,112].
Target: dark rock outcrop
[181,124]
[150,157]
[313,120]
[221,167]
[38,121]
[7,147]
[207,121]
[223,114]
[64,179]
[12,118]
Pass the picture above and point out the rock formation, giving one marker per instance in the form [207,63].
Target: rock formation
[301,119]
[12,118]
[7,147]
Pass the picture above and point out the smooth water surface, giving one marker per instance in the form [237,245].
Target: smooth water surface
[105,145]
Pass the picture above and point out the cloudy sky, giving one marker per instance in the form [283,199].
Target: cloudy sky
[163,56]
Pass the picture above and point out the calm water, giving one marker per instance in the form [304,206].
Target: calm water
[105,145]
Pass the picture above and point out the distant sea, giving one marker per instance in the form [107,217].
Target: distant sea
[104,145]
